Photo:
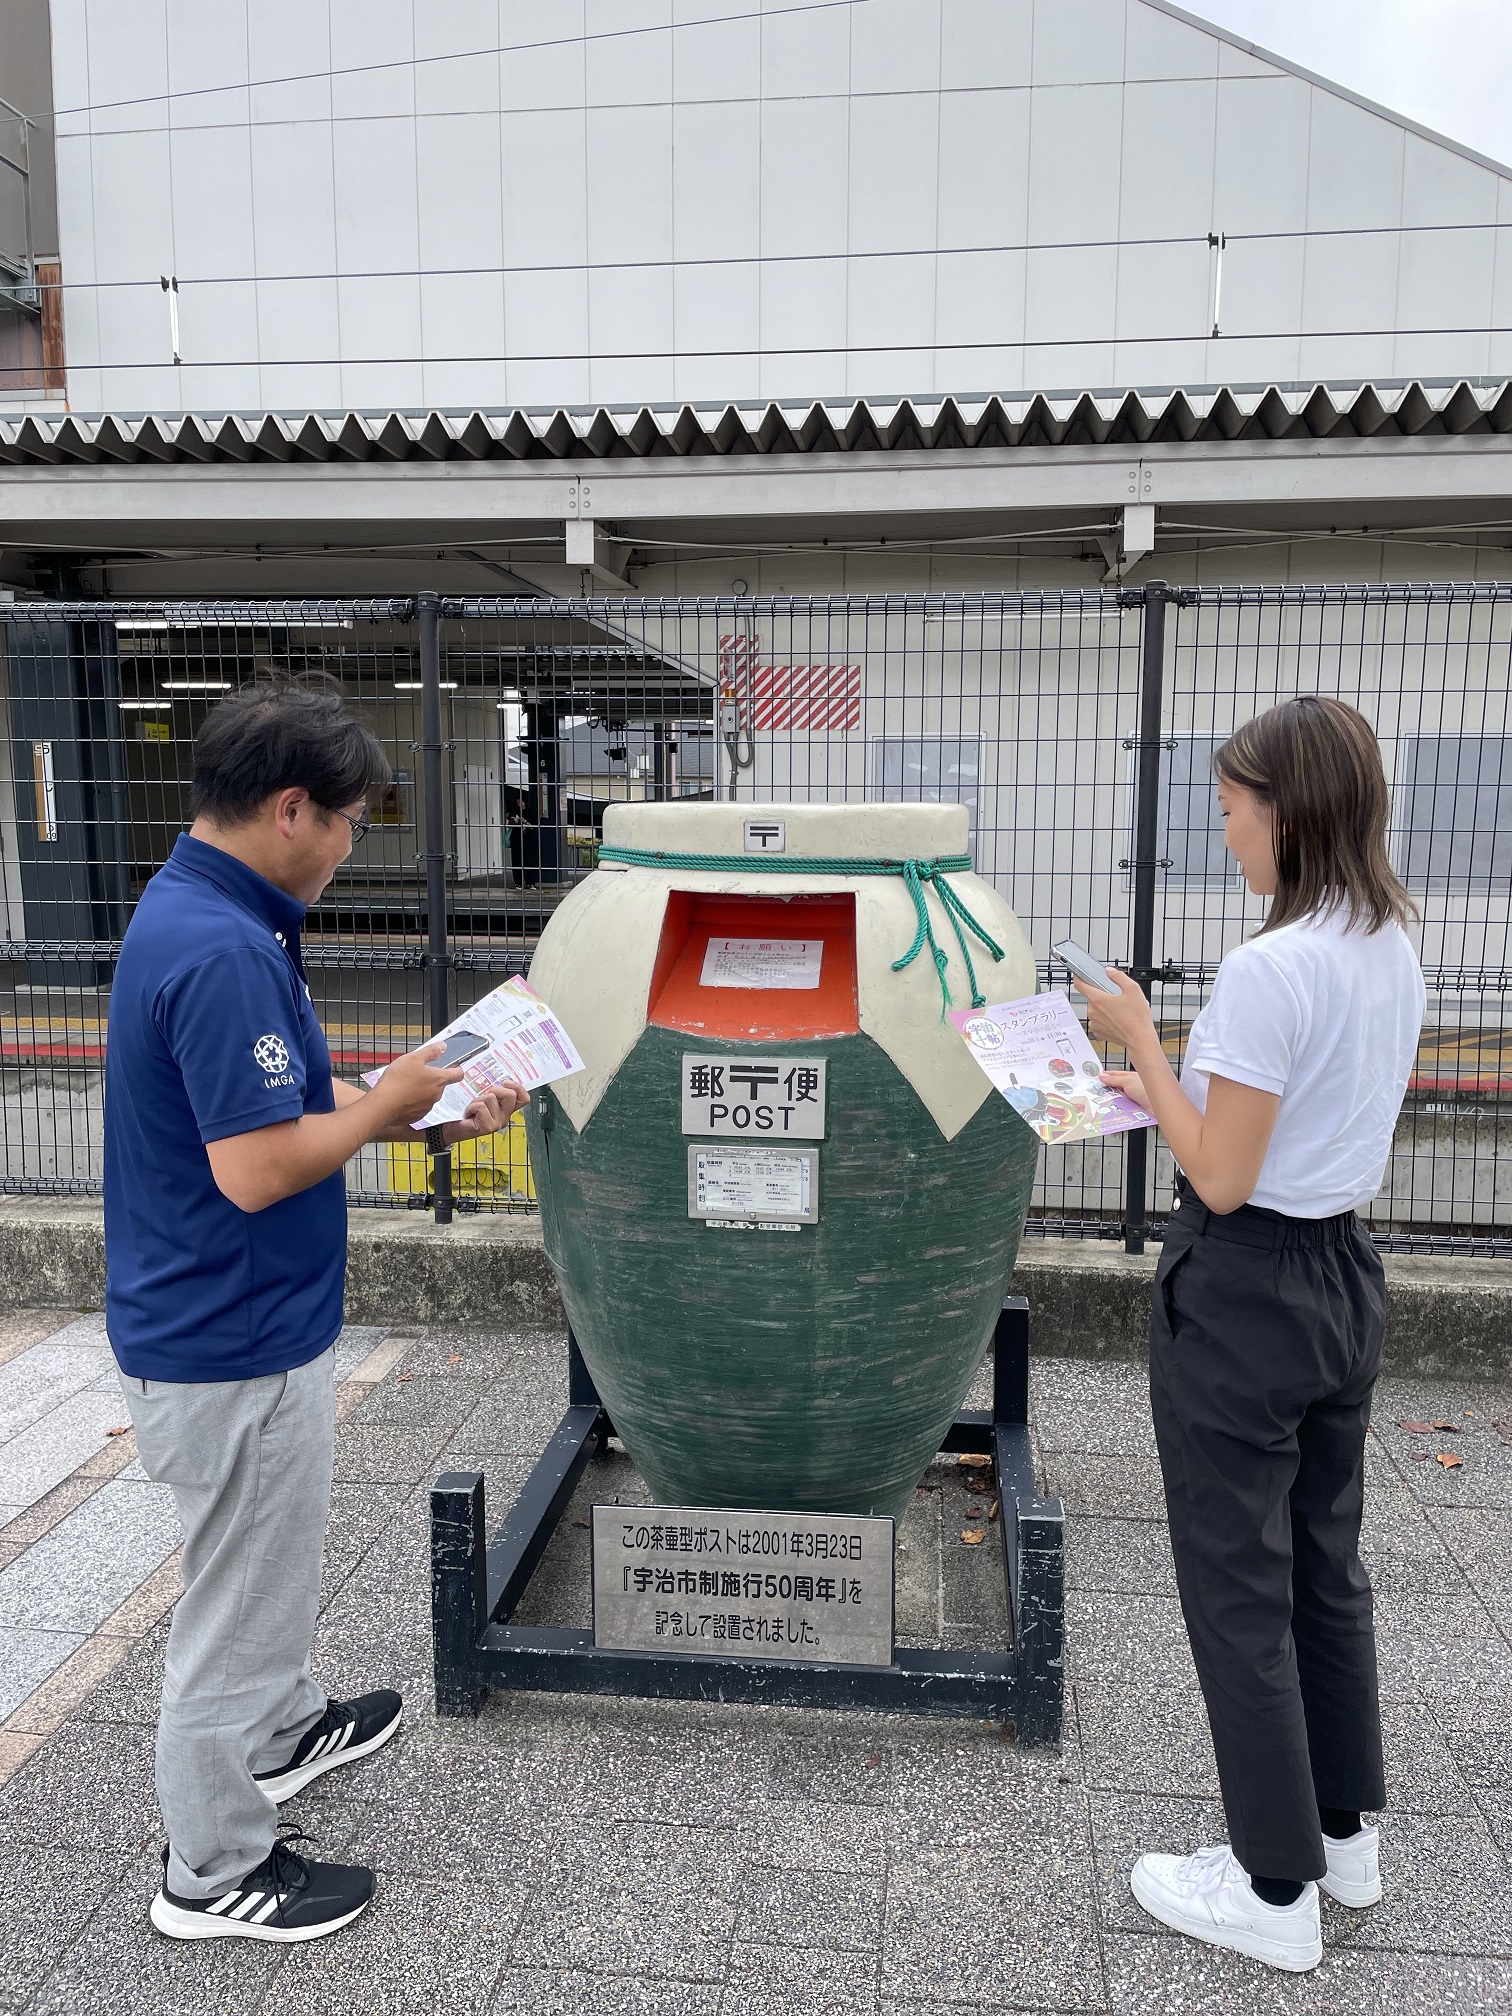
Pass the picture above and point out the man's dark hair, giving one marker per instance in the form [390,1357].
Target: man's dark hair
[276,736]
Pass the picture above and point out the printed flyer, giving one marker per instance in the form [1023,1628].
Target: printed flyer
[527,1046]
[1037,1055]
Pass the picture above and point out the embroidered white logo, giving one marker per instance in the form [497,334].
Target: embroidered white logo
[270,1054]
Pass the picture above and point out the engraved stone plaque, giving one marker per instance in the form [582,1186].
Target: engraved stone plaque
[809,1586]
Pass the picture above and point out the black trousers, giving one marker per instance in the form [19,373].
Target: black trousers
[1265,1344]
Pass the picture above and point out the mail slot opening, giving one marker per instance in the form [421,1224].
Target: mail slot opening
[756,968]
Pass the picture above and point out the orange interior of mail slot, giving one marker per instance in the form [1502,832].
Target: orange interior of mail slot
[679,1000]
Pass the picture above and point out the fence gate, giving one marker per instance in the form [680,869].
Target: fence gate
[1077,729]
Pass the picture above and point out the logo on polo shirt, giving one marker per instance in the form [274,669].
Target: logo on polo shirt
[270,1053]
[271,1056]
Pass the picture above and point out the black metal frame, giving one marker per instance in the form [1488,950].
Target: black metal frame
[476,1586]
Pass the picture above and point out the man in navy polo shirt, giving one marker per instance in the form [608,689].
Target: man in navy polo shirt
[225,1240]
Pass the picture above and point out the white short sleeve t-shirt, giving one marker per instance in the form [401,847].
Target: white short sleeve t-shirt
[1329,1017]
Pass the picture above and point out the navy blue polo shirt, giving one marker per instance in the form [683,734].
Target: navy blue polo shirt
[212,1033]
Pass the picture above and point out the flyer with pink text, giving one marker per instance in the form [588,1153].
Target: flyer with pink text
[1037,1055]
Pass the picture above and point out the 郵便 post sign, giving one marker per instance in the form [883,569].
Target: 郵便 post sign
[809,1586]
[780,1098]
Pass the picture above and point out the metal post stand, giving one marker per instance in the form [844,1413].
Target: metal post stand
[476,1588]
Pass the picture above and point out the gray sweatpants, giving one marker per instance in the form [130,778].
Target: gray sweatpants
[250,1465]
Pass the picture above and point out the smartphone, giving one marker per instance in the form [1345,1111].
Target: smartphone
[460,1045]
[1083,965]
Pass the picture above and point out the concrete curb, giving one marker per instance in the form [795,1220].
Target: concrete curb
[1448,1318]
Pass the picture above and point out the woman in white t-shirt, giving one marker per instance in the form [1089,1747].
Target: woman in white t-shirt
[1268,1321]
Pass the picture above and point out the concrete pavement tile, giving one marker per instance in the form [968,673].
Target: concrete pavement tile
[813,1908]
[491,1353]
[643,1900]
[1119,1556]
[849,1761]
[1015,1925]
[1488,1709]
[44,1377]
[709,1768]
[938,2005]
[42,1455]
[1480,1540]
[960,1782]
[1484,1757]
[1127,1825]
[1135,1640]
[132,1690]
[91,1561]
[81,1327]
[1105,1487]
[1440,1643]
[818,1834]
[1495,1812]
[1423,1769]
[21,1328]
[1435,1984]
[533,1991]
[1138,1739]
[1102,1409]
[1484,1474]
[1446,1890]
[419,1947]
[515,1418]
[119,1962]
[46,1896]
[362,1515]
[26,1659]
[367,1455]
[354,1344]
[1163,1974]
[427,1806]
[91,1787]
[783,1980]
[1404,1399]
[433,1404]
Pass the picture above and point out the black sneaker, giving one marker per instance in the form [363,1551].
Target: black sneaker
[347,1729]
[285,1899]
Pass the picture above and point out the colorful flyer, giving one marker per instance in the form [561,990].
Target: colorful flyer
[1037,1055]
[527,1046]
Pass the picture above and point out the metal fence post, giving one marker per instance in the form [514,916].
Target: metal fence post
[428,609]
[1143,865]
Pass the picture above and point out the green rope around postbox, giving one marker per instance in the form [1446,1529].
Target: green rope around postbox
[917,875]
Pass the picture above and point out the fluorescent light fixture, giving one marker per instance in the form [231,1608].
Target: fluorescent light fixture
[418,685]
[148,706]
[196,685]
[128,624]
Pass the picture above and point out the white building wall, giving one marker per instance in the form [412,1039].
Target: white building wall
[412,203]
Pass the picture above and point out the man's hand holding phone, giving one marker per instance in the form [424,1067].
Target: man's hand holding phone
[412,1084]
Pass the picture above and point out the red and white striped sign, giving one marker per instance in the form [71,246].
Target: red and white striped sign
[801,697]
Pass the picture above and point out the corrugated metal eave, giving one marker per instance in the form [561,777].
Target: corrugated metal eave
[1268,413]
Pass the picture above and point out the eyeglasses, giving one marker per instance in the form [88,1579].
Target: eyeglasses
[360,827]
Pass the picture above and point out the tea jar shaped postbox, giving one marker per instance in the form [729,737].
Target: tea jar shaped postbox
[781,1201]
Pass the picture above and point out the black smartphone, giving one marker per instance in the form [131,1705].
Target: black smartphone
[460,1045]
[1083,965]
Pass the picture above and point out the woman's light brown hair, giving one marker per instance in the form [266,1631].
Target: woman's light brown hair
[1317,764]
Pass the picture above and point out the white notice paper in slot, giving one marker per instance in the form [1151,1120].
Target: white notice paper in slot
[762,962]
[527,1046]
[753,1184]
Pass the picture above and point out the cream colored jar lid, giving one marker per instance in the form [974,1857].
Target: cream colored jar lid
[855,832]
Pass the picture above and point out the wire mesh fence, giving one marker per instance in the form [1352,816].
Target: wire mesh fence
[1076,728]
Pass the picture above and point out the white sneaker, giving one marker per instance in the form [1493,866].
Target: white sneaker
[1208,1896]
[1354,1869]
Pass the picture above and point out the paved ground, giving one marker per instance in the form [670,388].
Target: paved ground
[661,1860]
